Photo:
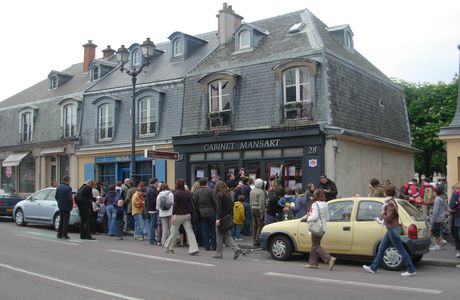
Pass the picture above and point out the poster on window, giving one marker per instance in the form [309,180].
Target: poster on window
[274,171]
[213,172]
[291,171]
[199,173]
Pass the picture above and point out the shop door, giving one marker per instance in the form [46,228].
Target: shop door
[123,172]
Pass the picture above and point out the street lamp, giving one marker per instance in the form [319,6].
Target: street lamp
[147,48]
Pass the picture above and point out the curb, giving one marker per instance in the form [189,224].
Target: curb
[440,262]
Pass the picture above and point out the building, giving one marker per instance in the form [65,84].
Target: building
[291,91]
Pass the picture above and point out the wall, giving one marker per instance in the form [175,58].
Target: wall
[453,154]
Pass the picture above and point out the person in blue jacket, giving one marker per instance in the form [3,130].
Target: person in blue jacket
[65,204]
[454,207]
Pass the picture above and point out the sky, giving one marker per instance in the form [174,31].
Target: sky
[412,40]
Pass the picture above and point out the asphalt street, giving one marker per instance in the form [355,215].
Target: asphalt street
[34,264]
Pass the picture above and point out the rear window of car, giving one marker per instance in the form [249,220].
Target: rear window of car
[411,210]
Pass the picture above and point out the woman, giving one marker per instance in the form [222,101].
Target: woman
[224,208]
[319,213]
[110,201]
[182,216]
[138,201]
[301,203]
[165,214]
[274,210]
[391,220]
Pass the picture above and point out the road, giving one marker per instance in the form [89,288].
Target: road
[36,265]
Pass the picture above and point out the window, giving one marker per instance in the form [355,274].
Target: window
[136,57]
[107,173]
[53,82]
[219,96]
[296,85]
[147,116]
[348,40]
[178,47]
[245,39]
[105,122]
[144,170]
[369,210]
[26,127]
[95,73]
[70,120]
[340,211]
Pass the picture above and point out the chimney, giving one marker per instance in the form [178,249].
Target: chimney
[228,23]
[108,52]
[88,55]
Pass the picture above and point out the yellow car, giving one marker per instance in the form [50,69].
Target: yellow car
[352,231]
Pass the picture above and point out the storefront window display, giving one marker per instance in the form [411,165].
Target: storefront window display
[8,182]
[144,171]
[107,173]
[27,175]
[64,166]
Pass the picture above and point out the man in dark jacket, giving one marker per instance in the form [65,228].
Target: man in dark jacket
[329,187]
[152,193]
[85,207]
[205,202]
[64,199]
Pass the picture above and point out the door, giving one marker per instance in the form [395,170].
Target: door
[48,207]
[32,206]
[340,228]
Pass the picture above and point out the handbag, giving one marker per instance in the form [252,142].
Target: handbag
[226,223]
[316,226]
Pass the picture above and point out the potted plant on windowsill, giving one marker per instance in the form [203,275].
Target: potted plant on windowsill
[213,115]
[293,105]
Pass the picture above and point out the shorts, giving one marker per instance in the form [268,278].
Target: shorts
[436,229]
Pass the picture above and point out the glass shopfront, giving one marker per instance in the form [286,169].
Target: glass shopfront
[111,169]
[301,156]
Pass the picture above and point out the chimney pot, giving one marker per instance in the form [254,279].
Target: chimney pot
[108,52]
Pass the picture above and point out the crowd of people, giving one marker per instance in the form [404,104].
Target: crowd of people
[216,212]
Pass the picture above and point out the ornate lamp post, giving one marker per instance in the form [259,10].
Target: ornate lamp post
[147,48]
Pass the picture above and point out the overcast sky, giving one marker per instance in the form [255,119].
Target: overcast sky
[413,40]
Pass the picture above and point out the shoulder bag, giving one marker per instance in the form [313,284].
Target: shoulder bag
[316,226]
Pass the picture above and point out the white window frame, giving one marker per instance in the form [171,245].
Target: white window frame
[105,120]
[298,85]
[146,106]
[219,95]
[136,57]
[244,39]
[95,73]
[53,82]
[26,133]
[69,118]
[178,47]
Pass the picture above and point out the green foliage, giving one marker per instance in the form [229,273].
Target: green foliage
[430,107]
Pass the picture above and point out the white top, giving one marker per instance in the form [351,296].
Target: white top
[168,212]
[323,211]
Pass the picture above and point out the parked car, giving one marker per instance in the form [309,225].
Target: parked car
[7,203]
[41,208]
[352,232]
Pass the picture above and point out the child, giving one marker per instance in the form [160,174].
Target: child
[119,218]
[238,217]
[437,219]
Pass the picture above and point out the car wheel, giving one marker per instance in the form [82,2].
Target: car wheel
[392,260]
[19,217]
[416,259]
[56,220]
[280,248]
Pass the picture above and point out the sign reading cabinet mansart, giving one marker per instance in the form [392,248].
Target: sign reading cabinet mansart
[242,145]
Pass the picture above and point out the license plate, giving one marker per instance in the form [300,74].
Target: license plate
[9,210]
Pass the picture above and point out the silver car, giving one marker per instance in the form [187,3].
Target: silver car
[41,208]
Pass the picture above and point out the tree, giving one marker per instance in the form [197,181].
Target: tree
[430,107]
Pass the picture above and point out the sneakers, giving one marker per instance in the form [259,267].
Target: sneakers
[308,266]
[368,269]
[435,248]
[237,253]
[443,242]
[217,256]
[408,274]
[196,253]
[331,263]
[458,254]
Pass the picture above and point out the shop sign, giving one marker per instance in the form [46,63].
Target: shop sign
[161,154]
[243,145]
[312,163]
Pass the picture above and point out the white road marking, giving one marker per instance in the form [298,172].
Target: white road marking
[187,262]
[81,286]
[356,283]
[47,239]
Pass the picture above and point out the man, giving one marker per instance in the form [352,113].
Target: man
[329,187]
[375,189]
[85,207]
[65,204]
[257,198]
[207,207]
[245,191]
[409,190]
[152,193]
[213,181]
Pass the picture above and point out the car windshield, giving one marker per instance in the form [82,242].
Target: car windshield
[413,212]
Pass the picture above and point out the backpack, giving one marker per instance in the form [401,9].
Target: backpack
[79,196]
[428,197]
[165,204]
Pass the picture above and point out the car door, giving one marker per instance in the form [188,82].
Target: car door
[40,202]
[32,205]
[339,234]
[48,206]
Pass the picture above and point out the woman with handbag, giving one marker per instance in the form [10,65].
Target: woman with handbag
[317,220]
[224,220]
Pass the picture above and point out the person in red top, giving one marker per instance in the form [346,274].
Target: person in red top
[410,191]
[427,196]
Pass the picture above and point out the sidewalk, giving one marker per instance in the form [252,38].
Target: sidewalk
[445,257]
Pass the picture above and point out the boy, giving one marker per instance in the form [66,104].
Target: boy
[119,218]
[238,217]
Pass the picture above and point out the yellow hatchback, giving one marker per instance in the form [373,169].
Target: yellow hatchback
[352,231]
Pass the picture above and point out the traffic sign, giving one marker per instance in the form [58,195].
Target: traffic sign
[161,154]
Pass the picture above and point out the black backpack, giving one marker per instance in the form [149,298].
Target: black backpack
[165,204]
[79,196]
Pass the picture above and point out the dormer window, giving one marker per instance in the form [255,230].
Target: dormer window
[70,120]
[219,96]
[245,39]
[95,74]
[53,83]
[105,122]
[26,128]
[147,116]
[136,57]
[348,40]
[178,47]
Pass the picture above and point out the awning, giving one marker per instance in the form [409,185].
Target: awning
[53,150]
[14,159]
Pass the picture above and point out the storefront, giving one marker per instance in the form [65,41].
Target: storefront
[259,152]
[18,173]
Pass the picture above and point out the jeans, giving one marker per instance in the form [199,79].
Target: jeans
[247,221]
[111,219]
[146,226]
[138,226]
[208,232]
[153,226]
[393,236]
[236,231]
